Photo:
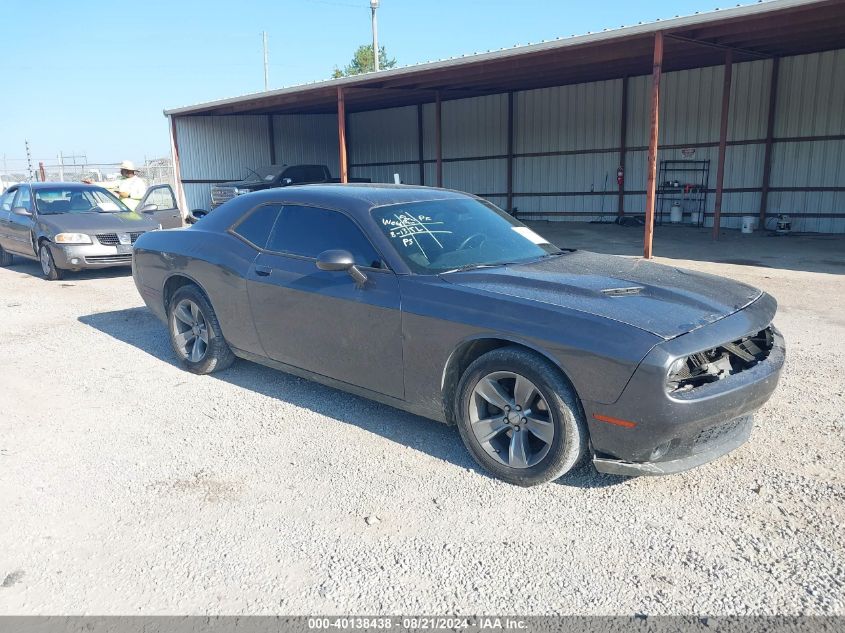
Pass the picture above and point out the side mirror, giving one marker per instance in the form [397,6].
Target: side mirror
[287,181]
[335,260]
[22,211]
[149,208]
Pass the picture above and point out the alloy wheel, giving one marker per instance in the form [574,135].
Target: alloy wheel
[190,330]
[511,419]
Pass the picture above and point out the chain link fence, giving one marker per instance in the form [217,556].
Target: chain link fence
[156,171]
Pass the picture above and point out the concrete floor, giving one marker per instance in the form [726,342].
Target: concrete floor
[805,252]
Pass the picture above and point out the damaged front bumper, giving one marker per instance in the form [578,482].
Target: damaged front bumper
[740,431]
[668,431]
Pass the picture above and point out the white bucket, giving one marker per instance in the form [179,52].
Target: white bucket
[676,213]
[695,217]
[748,223]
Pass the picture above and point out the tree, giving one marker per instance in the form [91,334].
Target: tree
[362,62]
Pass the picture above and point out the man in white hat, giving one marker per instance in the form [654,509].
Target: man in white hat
[130,187]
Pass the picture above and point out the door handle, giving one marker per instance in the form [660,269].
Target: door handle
[262,271]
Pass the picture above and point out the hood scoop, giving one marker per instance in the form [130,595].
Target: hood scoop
[622,292]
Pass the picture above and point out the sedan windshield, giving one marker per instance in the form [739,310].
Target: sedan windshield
[438,236]
[56,200]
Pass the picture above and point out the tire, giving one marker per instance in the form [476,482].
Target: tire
[48,264]
[553,437]
[5,258]
[189,316]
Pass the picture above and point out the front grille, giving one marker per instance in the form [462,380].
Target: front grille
[111,239]
[109,259]
[219,195]
[108,239]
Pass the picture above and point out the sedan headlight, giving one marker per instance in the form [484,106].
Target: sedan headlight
[240,192]
[72,238]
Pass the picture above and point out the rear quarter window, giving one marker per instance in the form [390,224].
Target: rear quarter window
[256,227]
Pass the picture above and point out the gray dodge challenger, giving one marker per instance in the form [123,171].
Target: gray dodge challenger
[438,303]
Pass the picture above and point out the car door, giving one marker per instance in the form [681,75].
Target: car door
[159,204]
[6,200]
[19,228]
[322,321]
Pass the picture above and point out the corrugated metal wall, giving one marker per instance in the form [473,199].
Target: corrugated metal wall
[567,139]
[306,139]
[578,123]
[812,103]
[386,142]
[219,148]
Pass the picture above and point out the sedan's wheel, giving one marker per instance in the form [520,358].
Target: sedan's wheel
[48,265]
[195,332]
[5,258]
[519,417]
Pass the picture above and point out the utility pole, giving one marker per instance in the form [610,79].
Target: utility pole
[266,62]
[373,7]
[28,158]
[61,168]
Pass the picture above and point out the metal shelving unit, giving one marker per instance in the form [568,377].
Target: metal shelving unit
[683,181]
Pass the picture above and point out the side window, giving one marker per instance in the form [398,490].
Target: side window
[6,200]
[256,227]
[23,199]
[308,231]
[296,174]
[163,197]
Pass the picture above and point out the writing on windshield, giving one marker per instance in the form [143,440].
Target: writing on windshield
[407,227]
[435,236]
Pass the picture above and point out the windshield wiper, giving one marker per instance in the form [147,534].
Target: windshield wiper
[466,267]
[498,264]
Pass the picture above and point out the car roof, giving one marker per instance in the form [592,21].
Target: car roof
[357,197]
[72,186]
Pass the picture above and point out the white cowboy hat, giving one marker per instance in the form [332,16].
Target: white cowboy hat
[128,165]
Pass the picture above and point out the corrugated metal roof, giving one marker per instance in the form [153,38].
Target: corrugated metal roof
[261,100]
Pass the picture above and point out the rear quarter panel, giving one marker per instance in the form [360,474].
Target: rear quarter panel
[217,262]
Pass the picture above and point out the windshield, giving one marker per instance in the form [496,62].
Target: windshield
[443,235]
[267,173]
[55,200]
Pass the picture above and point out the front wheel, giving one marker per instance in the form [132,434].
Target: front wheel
[195,332]
[48,264]
[520,418]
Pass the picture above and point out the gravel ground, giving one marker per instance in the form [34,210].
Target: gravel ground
[130,486]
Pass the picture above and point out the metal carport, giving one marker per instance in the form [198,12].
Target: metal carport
[758,90]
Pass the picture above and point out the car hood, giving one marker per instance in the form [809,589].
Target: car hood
[96,222]
[663,300]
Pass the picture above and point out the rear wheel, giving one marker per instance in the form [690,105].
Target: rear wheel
[5,258]
[48,264]
[195,332]
[520,418]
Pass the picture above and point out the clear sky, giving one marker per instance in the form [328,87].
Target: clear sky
[93,77]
